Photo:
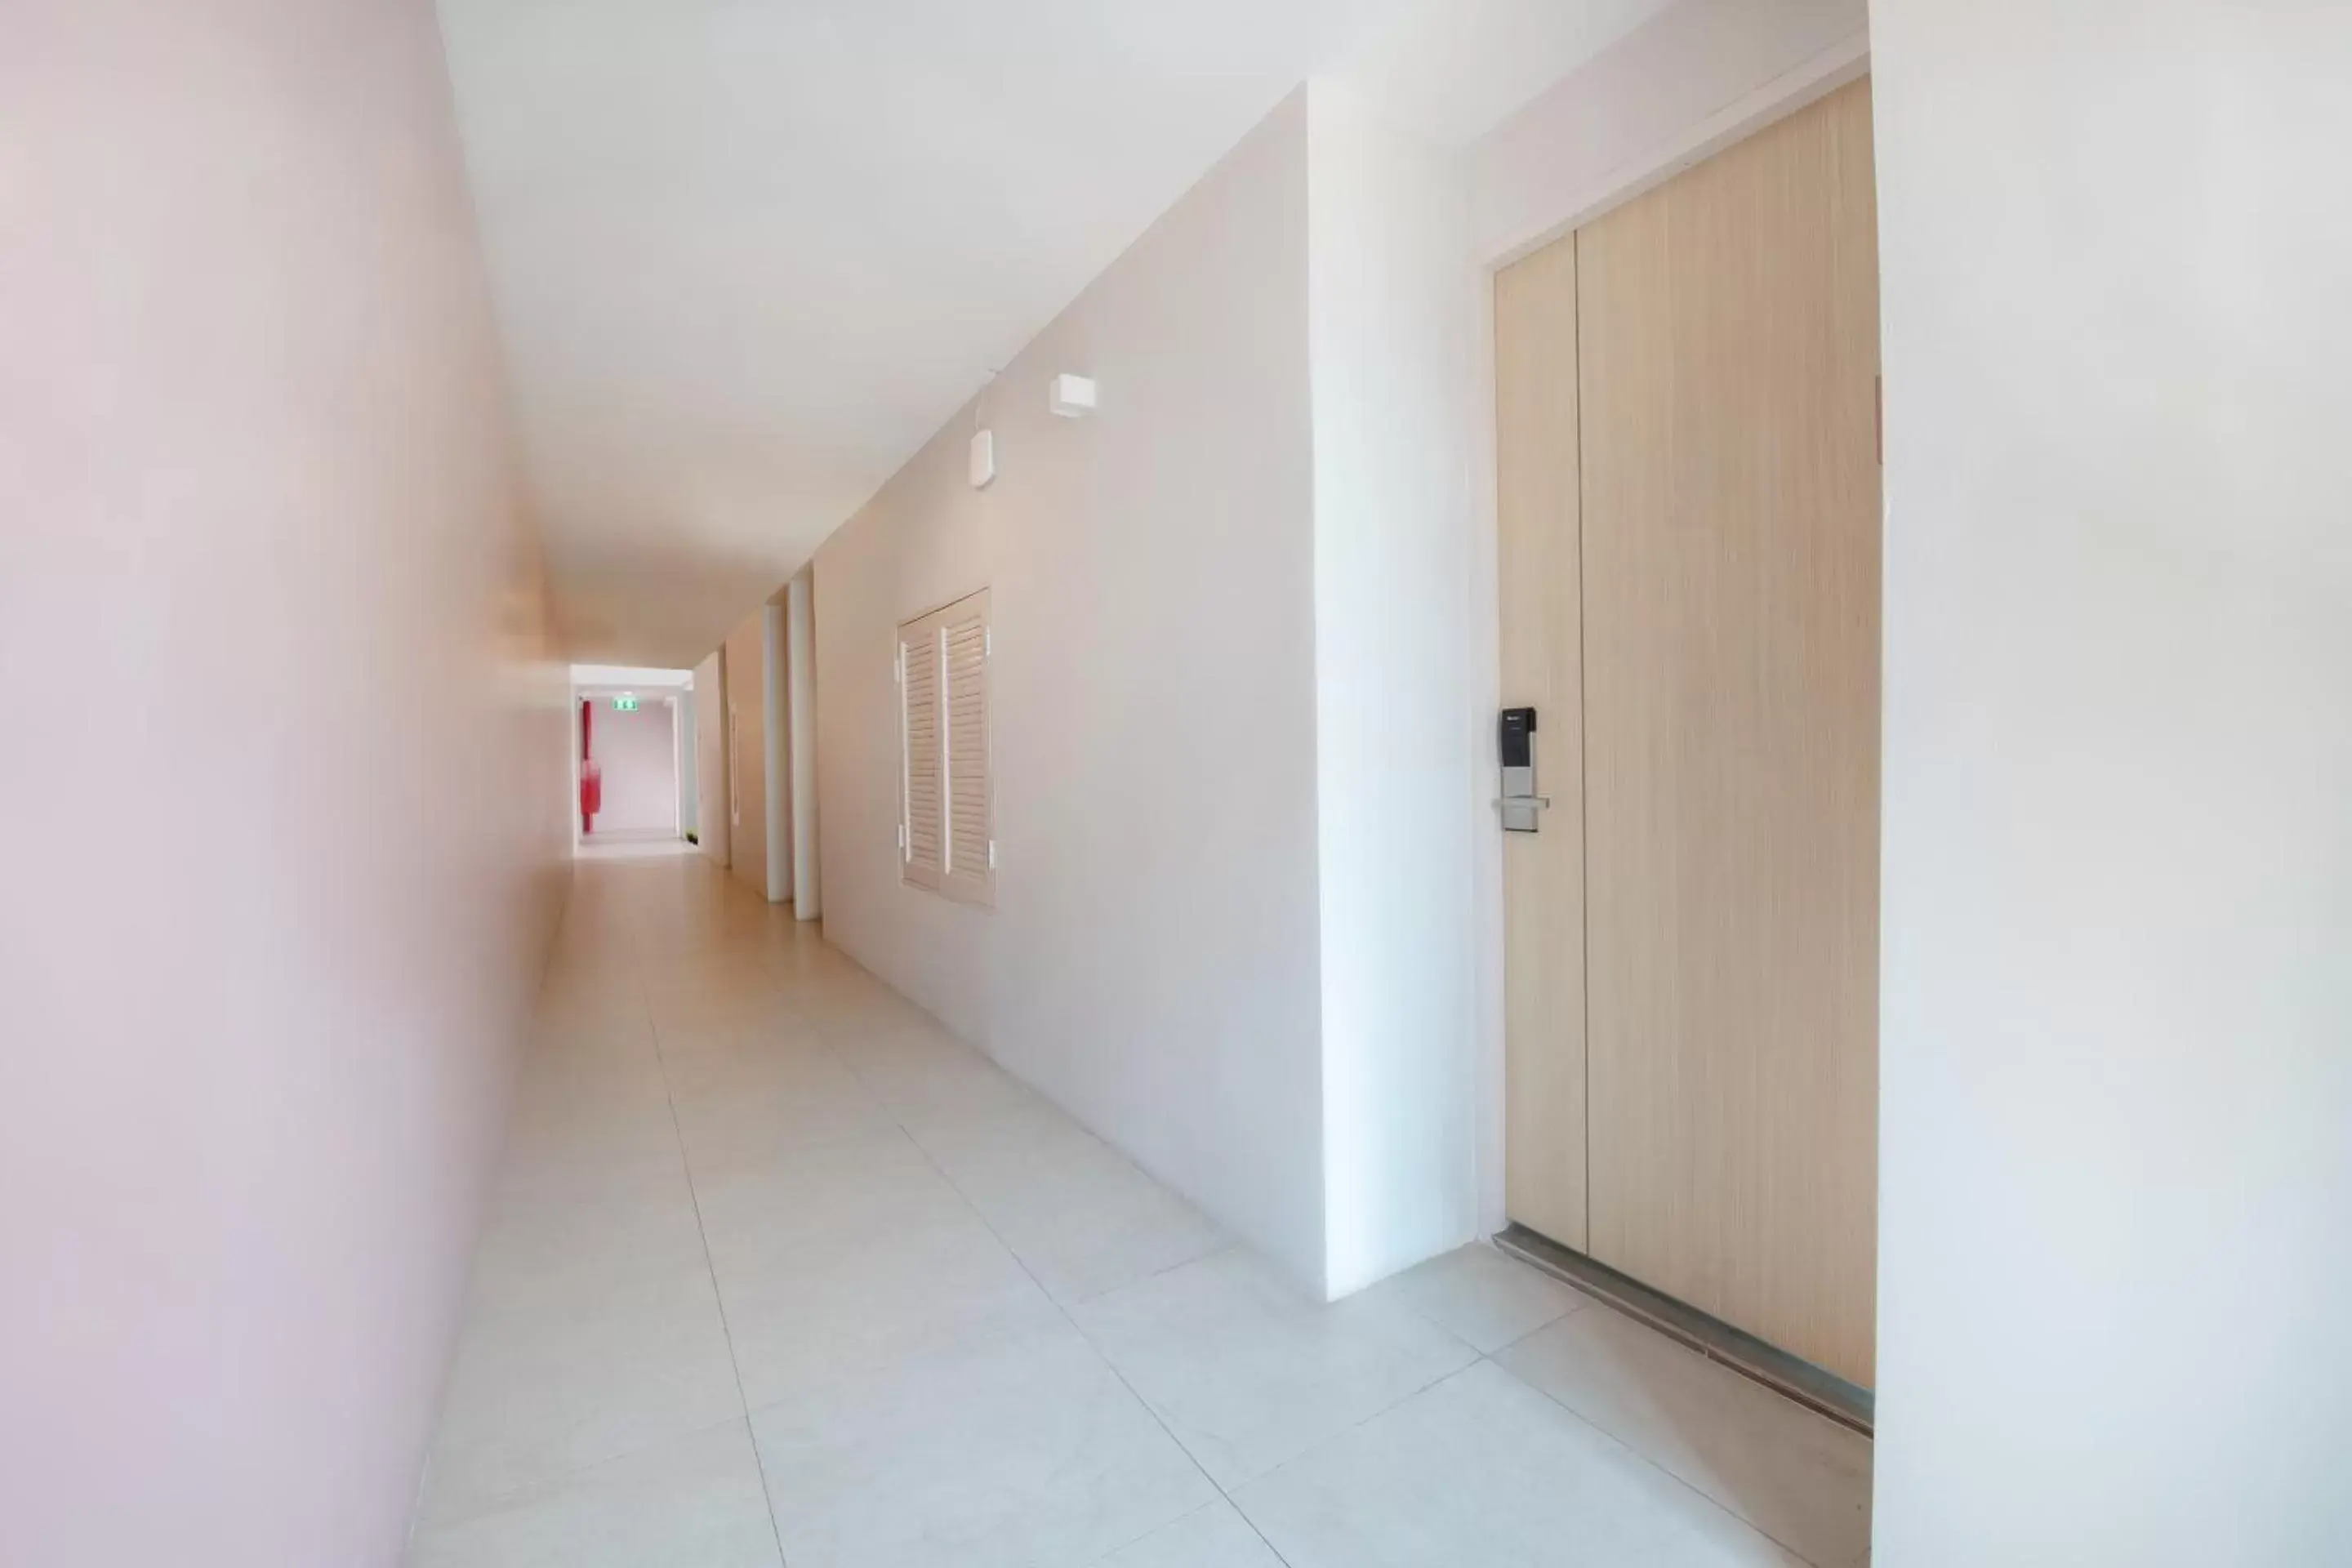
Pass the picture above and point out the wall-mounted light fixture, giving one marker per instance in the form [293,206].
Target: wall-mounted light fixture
[1071,396]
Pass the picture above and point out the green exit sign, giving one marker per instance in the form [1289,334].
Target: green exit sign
[625,704]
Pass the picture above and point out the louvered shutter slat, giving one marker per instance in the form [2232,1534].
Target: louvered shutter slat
[920,707]
[967,746]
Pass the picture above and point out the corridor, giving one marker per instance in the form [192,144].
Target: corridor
[777,1269]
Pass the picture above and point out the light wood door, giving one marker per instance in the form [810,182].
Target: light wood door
[1729,356]
[1542,667]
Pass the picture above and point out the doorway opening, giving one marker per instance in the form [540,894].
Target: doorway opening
[632,776]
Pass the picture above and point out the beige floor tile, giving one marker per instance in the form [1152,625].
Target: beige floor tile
[545,1244]
[1017,1450]
[777,1028]
[707,986]
[549,1386]
[557,1145]
[1799,1478]
[578,1088]
[601,1006]
[736,1104]
[849,1006]
[810,1205]
[692,1500]
[1481,1297]
[802,958]
[1483,1469]
[1216,1536]
[701,932]
[1073,1210]
[1248,1373]
[802,1318]
[924,1073]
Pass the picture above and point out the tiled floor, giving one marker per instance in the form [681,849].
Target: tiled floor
[632,846]
[780,1271]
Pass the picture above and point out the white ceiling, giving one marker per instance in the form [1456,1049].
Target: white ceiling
[748,255]
[1452,68]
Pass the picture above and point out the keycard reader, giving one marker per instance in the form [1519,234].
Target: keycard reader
[1516,747]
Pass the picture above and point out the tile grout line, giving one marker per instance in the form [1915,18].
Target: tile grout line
[1112,1367]
[1607,1436]
[1109,1365]
[824,1034]
[1361,1422]
[1584,1303]
[1476,1355]
[718,1297]
[1239,1512]
[1226,1244]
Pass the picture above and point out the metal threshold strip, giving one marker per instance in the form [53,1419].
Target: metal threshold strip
[1843,1403]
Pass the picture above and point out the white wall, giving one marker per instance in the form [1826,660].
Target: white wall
[262,992]
[710,763]
[1152,959]
[1269,558]
[1404,629]
[745,658]
[2116,1174]
[775,764]
[637,756]
[800,665]
[1691,80]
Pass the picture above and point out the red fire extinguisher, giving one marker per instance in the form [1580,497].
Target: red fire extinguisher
[592,774]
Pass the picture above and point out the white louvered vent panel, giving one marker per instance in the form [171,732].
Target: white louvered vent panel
[946,799]
[967,743]
[920,709]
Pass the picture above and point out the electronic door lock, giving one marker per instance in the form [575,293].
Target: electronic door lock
[1516,745]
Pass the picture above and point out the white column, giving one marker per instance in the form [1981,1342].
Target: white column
[772,699]
[800,606]
[690,787]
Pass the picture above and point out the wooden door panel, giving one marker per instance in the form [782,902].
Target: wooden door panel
[1728,354]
